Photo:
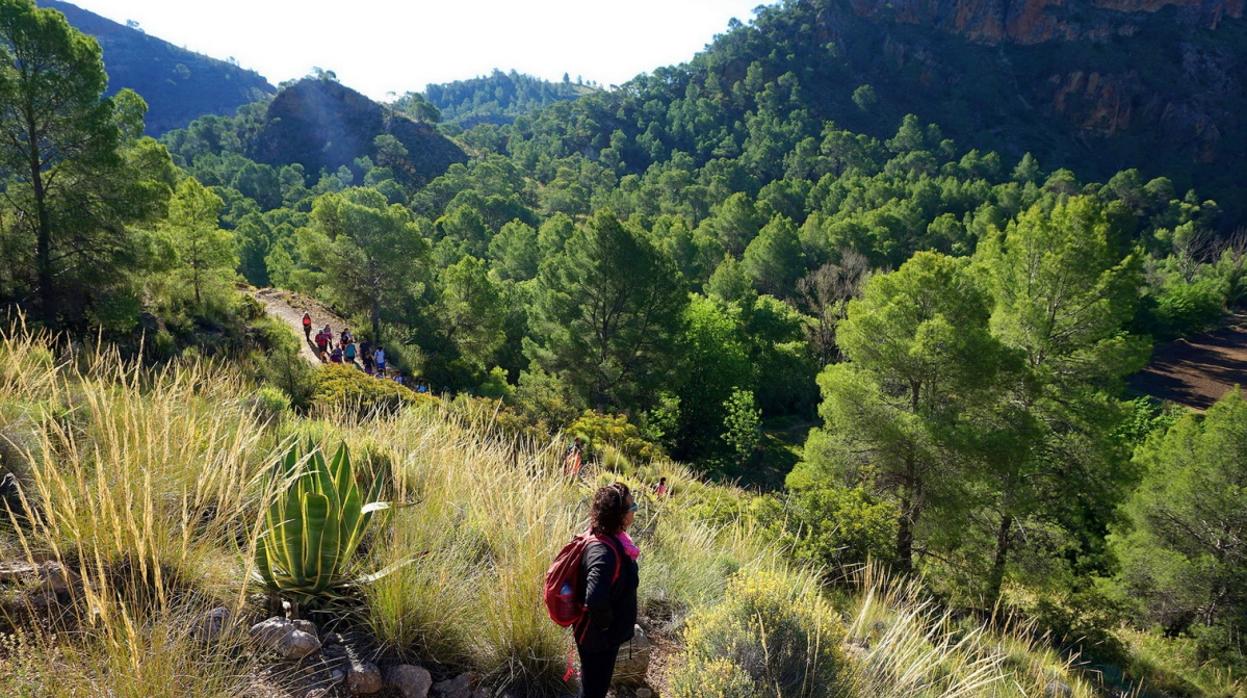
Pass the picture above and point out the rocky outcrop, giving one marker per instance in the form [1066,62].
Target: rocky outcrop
[324,125]
[1031,22]
[462,686]
[632,664]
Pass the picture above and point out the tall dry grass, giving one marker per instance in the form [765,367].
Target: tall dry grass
[144,485]
[904,644]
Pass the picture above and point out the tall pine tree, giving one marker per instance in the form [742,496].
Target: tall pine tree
[605,312]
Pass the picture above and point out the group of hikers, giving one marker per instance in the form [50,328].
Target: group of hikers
[343,349]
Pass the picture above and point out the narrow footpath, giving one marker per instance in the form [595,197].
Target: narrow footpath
[289,307]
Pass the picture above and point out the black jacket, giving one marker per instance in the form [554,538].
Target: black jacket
[612,607]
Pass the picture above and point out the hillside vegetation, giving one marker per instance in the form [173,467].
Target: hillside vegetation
[496,98]
[915,352]
[192,450]
[179,85]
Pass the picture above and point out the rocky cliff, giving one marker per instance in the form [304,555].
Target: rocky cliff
[1031,22]
[324,125]
[1093,85]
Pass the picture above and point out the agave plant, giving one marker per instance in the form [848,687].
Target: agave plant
[314,526]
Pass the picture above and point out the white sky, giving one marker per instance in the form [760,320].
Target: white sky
[382,46]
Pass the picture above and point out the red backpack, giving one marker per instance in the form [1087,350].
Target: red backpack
[563,580]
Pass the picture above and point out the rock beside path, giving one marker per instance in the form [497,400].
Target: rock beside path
[211,625]
[462,686]
[363,678]
[409,680]
[285,638]
[632,664]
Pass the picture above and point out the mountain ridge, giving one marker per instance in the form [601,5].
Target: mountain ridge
[179,85]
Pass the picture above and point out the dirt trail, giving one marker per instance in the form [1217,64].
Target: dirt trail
[1196,372]
[289,307]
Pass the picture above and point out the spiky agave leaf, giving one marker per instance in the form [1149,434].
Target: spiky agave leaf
[314,525]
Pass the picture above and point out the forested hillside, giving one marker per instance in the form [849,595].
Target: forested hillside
[1155,86]
[179,85]
[495,99]
[897,306]
[322,125]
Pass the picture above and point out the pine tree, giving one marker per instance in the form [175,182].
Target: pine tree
[605,311]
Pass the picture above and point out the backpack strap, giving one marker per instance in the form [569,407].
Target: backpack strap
[618,550]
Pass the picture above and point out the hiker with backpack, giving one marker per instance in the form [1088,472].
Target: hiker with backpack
[592,587]
[307,326]
[322,343]
[574,458]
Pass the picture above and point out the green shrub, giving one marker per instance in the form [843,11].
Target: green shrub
[495,385]
[1177,666]
[349,388]
[833,527]
[1183,308]
[1081,622]
[270,403]
[773,629]
[600,430]
[742,424]
[713,678]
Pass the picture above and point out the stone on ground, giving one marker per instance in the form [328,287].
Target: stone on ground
[409,680]
[283,637]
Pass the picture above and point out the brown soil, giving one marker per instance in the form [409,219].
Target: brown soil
[1196,372]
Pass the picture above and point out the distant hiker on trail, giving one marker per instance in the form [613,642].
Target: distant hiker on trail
[307,326]
[379,360]
[592,586]
[349,353]
[346,337]
[574,459]
[365,353]
[322,344]
[336,356]
[660,490]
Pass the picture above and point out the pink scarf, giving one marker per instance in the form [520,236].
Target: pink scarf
[626,541]
[629,547]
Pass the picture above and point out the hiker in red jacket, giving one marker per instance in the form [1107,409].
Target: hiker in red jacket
[307,326]
[322,343]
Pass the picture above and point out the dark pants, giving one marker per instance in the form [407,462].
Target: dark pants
[596,669]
